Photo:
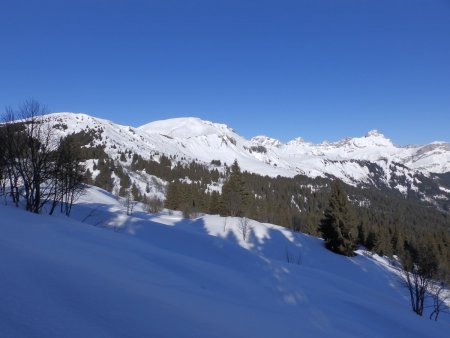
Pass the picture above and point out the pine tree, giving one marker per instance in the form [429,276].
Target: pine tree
[172,196]
[383,244]
[235,194]
[214,203]
[103,179]
[135,192]
[338,225]
[88,177]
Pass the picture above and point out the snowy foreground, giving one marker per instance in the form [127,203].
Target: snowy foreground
[164,276]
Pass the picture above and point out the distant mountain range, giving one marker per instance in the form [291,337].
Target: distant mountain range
[372,160]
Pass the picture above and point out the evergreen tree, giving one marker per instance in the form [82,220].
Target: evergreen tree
[172,196]
[88,177]
[135,192]
[371,240]
[338,225]
[103,179]
[214,203]
[383,245]
[235,195]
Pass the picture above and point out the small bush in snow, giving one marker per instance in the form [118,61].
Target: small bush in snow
[244,227]
[293,258]
[154,205]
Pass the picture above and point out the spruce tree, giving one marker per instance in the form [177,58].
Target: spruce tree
[135,192]
[103,179]
[338,225]
[235,194]
[214,203]
[172,196]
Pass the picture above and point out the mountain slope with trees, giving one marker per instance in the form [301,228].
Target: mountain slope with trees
[387,220]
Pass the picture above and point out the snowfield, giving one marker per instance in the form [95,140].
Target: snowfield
[102,273]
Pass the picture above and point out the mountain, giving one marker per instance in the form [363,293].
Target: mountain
[103,273]
[368,161]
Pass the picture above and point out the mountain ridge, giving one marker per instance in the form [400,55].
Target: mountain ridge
[370,160]
[344,149]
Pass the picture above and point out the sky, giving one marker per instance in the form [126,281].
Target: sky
[319,69]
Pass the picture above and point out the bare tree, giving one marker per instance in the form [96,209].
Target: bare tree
[35,163]
[129,202]
[68,173]
[154,205]
[418,271]
[8,131]
[30,149]
[440,294]
[244,227]
[2,168]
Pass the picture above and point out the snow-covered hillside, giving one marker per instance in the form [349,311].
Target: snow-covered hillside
[164,276]
[369,160]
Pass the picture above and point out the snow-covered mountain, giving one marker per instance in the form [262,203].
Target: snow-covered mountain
[159,275]
[369,160]
[298,155]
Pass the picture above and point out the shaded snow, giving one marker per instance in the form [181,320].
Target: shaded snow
[165,276]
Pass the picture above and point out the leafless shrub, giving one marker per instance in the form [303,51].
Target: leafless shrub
[418,273]
[440,294]
[293,257]
[154,205]
[244,227]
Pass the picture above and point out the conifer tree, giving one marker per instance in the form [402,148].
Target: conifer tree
[103,179]
[135,192]
[172,196]
[383,245]
[338,225]
[235,194]
[88,177]
[214,203]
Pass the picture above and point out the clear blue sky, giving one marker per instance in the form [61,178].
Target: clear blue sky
[316,69]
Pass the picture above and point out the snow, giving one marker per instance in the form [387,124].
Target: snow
[185,127]
[444,190]
[402,189]
[159,275]
[266,141]
[187,139]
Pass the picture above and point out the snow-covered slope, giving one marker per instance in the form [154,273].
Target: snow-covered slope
[372,159]
[164,276]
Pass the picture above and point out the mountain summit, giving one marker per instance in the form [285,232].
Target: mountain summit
[185,127]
